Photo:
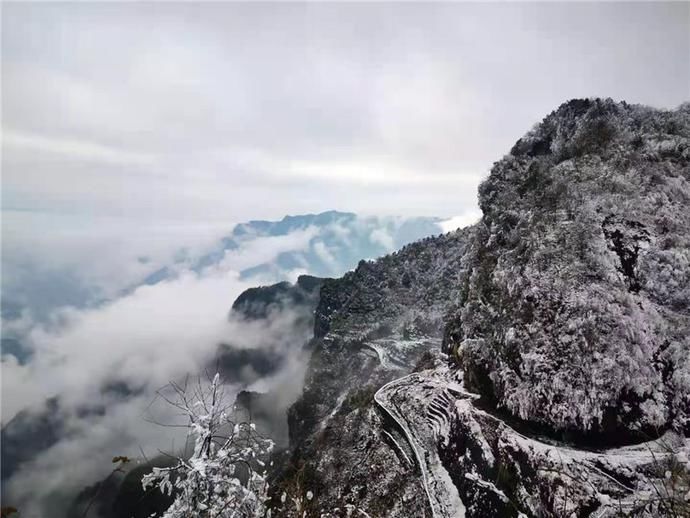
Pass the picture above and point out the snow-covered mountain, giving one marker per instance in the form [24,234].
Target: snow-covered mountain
[535,364]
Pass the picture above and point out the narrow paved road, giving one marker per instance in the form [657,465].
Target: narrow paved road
[405,400]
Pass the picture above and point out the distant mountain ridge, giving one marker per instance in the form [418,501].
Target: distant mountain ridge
[264,252]
[333,242]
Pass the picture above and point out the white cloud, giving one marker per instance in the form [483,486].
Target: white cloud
[19,389]
[146,339]
[382,237]
[205,117]
[325,255]
[79,149]
[266,249]
[174,325]
[464,220]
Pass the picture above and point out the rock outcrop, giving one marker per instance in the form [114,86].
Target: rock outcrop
[578,307]
[256,303]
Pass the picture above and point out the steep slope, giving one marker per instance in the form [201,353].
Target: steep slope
[372,326]
[565,316]
[294,304]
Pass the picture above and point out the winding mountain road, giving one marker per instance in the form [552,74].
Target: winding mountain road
[422,408]
[405,400]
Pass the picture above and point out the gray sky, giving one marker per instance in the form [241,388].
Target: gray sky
[226,112]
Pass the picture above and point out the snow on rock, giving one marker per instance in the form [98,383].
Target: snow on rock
[528,476]
[577,313]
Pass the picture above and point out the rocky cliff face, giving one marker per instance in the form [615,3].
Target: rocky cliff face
[578,309]
[563,317]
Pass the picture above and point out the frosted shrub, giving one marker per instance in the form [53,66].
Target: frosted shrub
[225,474]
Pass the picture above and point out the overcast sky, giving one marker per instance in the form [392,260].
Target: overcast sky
[225,112]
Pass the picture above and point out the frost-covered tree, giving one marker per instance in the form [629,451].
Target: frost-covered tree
[225,474]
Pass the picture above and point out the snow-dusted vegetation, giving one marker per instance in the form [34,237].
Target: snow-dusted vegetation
[225,474]
[577,314]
